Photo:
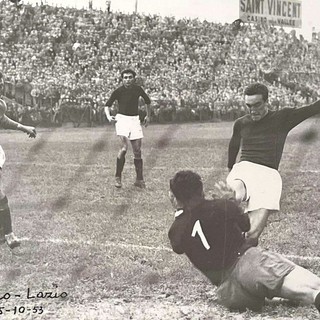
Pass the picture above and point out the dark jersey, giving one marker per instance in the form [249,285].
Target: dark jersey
[262,141]
[128,99]
[210,234]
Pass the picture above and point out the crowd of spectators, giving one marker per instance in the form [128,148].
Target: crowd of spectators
[60,64]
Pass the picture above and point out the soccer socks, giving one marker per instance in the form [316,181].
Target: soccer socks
[121,159]
[120,165]
[5,216]
[317,301]
[138,163]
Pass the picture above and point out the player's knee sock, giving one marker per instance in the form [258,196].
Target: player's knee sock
[138,163]
[120,165]
[121,159]
[5,216]
[317,301]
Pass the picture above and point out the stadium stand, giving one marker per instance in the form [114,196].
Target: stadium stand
[59,64]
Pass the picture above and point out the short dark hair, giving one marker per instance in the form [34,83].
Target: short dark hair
[128,71]
[185,185]
[257,88]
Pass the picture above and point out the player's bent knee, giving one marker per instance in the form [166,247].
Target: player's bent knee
[122,153]
[137,154]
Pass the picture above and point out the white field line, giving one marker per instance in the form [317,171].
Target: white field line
[96,244]
[135,246]
[77,165]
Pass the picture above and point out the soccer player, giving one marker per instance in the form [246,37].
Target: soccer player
[127,123]
[210,234]
[7,234]
[261,133]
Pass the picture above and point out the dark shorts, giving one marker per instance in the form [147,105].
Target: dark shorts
[257,275]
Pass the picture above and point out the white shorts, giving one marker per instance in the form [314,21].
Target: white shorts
[263,185]
[2,157]
[128,126]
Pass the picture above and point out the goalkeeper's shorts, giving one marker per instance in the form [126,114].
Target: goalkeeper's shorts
[2,157]
[128,126]
[258,274]
[263,185]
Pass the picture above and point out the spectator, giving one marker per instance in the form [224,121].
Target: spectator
[54,50]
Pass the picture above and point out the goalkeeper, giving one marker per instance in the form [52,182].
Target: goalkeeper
[210,233]
[6,233]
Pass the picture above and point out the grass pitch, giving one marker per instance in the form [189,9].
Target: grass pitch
[107,248]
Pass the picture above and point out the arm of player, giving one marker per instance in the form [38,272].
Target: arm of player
[243,221]
[297,115]
[8,123]
[147,101]
[114,96]
[108,115]
[235,212]
[30,131]
[176,237]
[234,145]
[146,120]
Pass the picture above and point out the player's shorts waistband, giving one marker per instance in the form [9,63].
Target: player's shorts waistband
[249,164]
[123,116]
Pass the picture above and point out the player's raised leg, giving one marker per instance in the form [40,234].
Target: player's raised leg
[258,221]
[258,218]
[260,188]
[121,159]
[138,163]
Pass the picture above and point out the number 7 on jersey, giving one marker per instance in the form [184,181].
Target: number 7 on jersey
[198,230]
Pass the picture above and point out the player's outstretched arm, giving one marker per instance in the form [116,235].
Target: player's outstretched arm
[30,131]
[296,115]
[8,123]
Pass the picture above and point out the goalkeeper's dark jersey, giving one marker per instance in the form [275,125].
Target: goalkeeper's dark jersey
[128,99]
[262,141]
[210,234]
